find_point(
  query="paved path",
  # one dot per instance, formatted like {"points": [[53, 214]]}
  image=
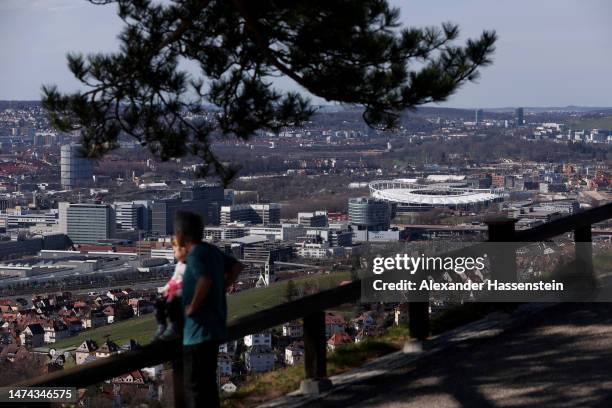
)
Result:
{"points": [[556, 356]]}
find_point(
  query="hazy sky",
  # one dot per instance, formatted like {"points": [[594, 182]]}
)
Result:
{"points": [[549, 53]]}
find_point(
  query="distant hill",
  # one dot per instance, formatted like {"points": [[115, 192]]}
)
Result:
{"points": [[542, 109], [18, 104], [427, 111]]}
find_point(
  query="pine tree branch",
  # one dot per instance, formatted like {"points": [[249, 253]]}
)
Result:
{"points": [[186, 24], [261, 44]]}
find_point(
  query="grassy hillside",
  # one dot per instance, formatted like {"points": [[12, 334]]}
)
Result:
{"points": [[240, 304], [267, 386]]}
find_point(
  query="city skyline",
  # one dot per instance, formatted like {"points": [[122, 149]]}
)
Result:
{"points": [[532, 67]]}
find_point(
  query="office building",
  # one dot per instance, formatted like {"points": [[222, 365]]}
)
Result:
{"points": [[162, 215], [209, 198], [520, 116], [210, 192], [478, 116], [224, 233], [90, 223], [369, 214], [132, 216], [253, 213], [75, 170], [282, 232], [164, 211], [315, 219], [334, 237]]}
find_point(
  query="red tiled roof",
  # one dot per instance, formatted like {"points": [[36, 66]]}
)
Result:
{"points": [[331, 318], [339, 338]]}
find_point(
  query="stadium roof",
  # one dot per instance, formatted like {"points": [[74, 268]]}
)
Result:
{"points": [[432, 194]]}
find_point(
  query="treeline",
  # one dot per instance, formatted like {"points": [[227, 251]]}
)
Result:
{"points": [[492, 147]]}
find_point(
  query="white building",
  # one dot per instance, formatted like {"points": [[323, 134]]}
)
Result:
{"points": [[258, 339], [229, 387], [32, 336], [293, 329], [282, 232], [312, 250], [55, 332], [163, 253], [294, 354]]}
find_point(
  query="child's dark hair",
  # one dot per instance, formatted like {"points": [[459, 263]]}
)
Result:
{"points": [[190, 225]]}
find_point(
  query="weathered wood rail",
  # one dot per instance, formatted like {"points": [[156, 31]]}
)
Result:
{"points": [[312, 310]]}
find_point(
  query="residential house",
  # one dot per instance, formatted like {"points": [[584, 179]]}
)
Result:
{"points": [[85, 350], [116, 294], [56, 330], [56, 362], [109, 312], [93, 319], [141, 306], [154, 372], [334, 323], [33, 336], [400, 314], [258, 339], [365, 321], [74, 324], [259, 359], [229, 387], [338, 340], [293, 330], [129, 346], [9, 352], [224, 365], [294, 353], [134, 377], [107, 349], [361, 336]]}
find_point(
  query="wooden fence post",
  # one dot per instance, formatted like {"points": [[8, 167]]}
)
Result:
{"points": [[584, 250], [418, 320], [178, 381], [503, 260], [315, 355]]}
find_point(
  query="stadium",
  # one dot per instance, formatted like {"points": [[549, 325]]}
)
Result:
{"points": [[410, 196]]}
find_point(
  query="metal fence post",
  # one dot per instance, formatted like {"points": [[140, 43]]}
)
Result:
{"points": [[315, 355]]}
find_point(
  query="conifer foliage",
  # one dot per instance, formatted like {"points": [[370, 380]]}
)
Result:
{"points": [[349, 51]]}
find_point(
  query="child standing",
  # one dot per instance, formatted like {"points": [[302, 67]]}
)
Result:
{"points": [[169, 309]]}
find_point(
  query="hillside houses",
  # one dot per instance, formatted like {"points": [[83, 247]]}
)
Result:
{"points": [[50, 318]]}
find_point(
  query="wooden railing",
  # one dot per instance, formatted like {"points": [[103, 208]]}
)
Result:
{"points": [[312, 310]]}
